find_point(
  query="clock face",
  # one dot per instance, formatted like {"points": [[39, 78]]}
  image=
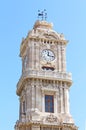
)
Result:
{"points": [[48, 55]]}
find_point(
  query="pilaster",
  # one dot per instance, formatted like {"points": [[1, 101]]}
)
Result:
{"points": [[43, 102], [61, 96], [59, 57], [55, 103]]}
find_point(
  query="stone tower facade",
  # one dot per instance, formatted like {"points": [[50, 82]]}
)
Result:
{"points": [[43, 88]]}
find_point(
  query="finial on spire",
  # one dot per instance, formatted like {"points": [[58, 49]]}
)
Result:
{"points": [[42, 14]]}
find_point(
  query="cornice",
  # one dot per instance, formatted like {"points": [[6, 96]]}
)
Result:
{"points": [[66, 77], [40, 124]]}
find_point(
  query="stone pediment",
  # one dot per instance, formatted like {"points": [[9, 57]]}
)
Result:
{"points": [[50, 36], [53, 36], [46, 34]]}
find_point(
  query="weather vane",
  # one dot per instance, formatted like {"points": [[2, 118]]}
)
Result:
{"points": [[42, 14]]}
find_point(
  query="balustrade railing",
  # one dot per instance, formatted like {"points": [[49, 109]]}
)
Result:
{"points": [[48, 74]]}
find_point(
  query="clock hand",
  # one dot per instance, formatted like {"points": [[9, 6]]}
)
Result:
{"points": [[48, 53]]}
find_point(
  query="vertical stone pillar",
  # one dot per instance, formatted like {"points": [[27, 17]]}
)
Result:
{"points": [[63, 58], [27, 96], [33, 99], [59, 58], [61, 96], [32, 48], [57, 97], [43, 102], [67, 91], [22, 64], [66, 99], [33, 94], [37, 93], [28, 101], [55, 103], [30, 54], [37, 55], [20, 109]]}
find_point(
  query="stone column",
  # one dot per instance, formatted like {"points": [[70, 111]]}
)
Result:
{"points": [[67, 91], [32, 48], [33, 99], [43, 102], [28, 102], [30, 54], [59, 57], [57, 97], [66, 99], [37, 55], [37, 93], [55, 103], [33, 94], [63, 58], [28, 94], [20, 109], [61, 96]]}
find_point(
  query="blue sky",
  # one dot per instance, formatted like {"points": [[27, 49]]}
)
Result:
{"points": [[16, 19]]}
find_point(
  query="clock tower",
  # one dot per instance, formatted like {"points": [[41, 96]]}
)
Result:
{"points": [[43, 87]]}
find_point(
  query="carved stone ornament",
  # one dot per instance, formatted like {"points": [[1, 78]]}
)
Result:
{"points": [[51, 118]]}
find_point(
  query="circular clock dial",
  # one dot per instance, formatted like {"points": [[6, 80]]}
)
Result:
{"points": [[48, 55]]}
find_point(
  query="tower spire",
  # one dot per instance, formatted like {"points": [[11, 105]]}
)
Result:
{"points": [[42, 15]]}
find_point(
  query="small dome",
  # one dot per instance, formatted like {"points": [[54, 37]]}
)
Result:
{"points": [[43, 24]]}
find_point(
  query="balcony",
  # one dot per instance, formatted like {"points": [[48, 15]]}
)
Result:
{"points": [[50, 75], [47, 75]]}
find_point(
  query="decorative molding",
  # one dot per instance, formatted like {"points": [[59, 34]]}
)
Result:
{"points": [[48, 91], [51, 118]]}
